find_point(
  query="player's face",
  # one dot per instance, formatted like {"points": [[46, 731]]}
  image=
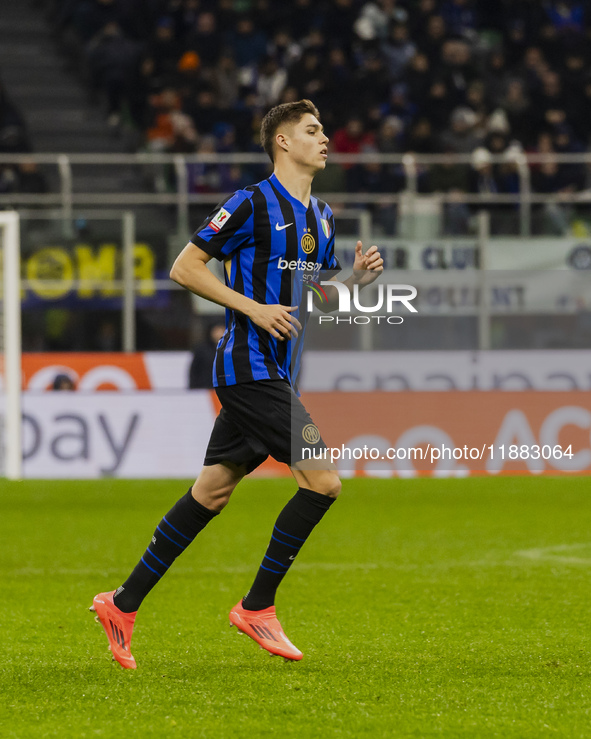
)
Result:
{"points": [[307, 143]]}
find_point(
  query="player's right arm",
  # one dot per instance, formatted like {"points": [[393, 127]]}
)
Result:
{"points": [[190, 270]]}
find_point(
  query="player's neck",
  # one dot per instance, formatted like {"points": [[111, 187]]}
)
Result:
{"points": [[298, 183]]}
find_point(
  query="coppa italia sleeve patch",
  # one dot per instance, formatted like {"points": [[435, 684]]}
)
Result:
{"points": [[219, 219]]}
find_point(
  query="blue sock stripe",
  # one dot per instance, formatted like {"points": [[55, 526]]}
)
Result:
{"points": [[276, 562], [180, 546], [275, 571], [151, 568], [291, 546], [157, 560], [291, 536], [177, 531]]}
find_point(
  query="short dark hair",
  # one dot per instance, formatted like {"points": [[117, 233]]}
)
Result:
{"points": [[280, 114]]}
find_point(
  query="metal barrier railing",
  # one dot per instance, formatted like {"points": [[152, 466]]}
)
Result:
{"points": [[67, 196]]}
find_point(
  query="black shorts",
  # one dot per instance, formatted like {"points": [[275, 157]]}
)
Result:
{"points": [[258, 419]]}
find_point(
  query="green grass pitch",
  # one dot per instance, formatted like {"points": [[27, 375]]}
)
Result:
{"points": [[424, 608]]}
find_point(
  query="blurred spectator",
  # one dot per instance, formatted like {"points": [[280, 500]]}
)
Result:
{"points": [[375, 19], [352, 138], [376, 178], [567, 15], [307, 74], [339, 21], [165, 49], [336, 77], [419, 19], [551, 45], [574, 71], [398, 50], [533, 68], [565, 143], [582, 113], [438, 105], [271, 82], [63, 382], [458, 67], [430, 40], [30, 179], [172, 130], [453, 180], [13, 131], [390, 136], [301, 17], [107, 337], [205, 111], [189, 77], [497, 77], [549, 98], [476, 101], [516, 106], [418, 77], [205, 39], [548, 177], [89, 17], [460, 136], [284, 49], [204, 176], [112, 60], [248, 44], [316, 41], [225, 81], [496, 179], [7, 179], [371, 82], [420, 139], [398, 105], [460, 17]]}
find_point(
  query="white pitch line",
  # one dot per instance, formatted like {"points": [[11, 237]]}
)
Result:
{"points": [[549, 554]]}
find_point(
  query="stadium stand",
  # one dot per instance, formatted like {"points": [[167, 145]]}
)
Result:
{"points": [[229, 61], [391, 76], [466, 77]]}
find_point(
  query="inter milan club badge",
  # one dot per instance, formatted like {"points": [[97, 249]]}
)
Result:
{"points": [[308, 243], [310, 434]]}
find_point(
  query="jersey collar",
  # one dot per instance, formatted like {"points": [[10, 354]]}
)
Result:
{"points": [[286, 194]]}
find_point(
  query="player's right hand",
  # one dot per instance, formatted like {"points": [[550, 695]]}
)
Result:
{"points": [[276, 319]]}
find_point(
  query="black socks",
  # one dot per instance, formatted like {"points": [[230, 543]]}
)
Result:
{"points": [[172, 536], [294, 525], [188, 517]]}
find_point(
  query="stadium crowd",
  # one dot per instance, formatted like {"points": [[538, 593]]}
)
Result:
{"points": [[472, 77], [427, 76]]}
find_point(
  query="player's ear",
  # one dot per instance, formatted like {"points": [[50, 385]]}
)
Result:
{"points": [[281, 141]]}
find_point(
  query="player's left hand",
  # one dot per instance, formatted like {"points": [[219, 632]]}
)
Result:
{"points": [[367, 267]]}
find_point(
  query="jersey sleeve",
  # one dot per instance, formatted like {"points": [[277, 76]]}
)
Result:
{"points": [[227, 228], [331, 263]]}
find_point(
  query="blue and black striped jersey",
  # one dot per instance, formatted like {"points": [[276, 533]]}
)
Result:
{"points": [[272, 247]]}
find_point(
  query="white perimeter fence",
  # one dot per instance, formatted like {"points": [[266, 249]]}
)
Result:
{"points": [[71, 173]]}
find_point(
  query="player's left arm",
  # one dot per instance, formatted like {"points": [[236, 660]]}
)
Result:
{"points": [[367, 267]]}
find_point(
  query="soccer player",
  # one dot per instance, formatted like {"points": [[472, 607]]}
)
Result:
{"points": [[274, 239]]}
